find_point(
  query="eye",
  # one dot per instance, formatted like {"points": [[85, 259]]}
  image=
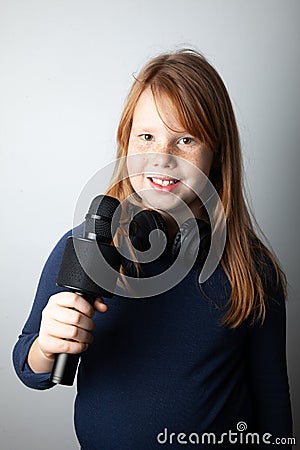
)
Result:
{"points": [[146, 136], [186, 140]]}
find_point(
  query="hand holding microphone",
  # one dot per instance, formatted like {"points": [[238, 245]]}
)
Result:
{"points": [[80, 255], [62, 329]]}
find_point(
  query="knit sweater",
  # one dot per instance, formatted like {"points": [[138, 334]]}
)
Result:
{"points": [[162, 371]]}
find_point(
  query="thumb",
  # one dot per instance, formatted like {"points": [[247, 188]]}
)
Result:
{"points": [[99, 305]]}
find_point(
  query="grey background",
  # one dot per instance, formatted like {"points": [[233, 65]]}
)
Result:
{"points": [[66, 67]]}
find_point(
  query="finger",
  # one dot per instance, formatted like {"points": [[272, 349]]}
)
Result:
{"points": [[64, 331], [71, 300], [57, 345], [100, 306], [71, 317]]}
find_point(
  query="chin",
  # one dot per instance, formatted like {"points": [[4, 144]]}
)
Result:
{"points": [[165, 203]]}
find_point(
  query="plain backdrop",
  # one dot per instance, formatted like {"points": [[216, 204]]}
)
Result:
{"points": [[66, 68]]}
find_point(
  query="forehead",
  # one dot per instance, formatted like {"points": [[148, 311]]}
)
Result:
{"points": [[156, 109]]}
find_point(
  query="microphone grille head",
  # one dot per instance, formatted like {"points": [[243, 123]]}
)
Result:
{"points": [[104, 205], [99, 217]]}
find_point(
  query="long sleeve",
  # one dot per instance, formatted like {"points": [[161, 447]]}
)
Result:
{"points": [[267, 368], [46, 287]]}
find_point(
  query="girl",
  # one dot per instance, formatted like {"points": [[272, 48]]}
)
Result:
{"points": [[199, 364]]}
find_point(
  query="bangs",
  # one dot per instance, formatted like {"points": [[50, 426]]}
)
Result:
{"points": [[186, 108]]}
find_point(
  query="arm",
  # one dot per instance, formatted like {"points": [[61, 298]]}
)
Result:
{"points": [[267, 367], [46, 287], [59, 322]]}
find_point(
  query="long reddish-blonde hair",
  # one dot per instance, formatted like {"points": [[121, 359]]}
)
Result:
{"points": [[203, 107]]}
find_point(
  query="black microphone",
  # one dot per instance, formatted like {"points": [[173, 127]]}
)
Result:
{"points": [[85, 259]]}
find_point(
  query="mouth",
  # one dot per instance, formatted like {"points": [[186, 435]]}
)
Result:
{"points": [[163, 183]]}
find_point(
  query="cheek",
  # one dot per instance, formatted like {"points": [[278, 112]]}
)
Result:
{"points": [[202, 161], [136, 183], [137, 157], [135, 162], [138, 146]]}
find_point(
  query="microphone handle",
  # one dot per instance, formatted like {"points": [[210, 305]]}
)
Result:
{"points": [[65, 364]]}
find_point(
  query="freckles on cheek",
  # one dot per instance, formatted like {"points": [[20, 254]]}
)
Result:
{"points": [[137, 147], [202, 161]]}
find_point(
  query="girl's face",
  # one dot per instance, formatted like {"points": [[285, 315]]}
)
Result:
{"points": [[164, 161]]}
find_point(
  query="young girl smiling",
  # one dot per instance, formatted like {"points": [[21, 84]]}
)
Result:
{"points": [[197, 358]]}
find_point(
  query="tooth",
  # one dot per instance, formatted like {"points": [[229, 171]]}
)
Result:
{"points": [[163, 182]]}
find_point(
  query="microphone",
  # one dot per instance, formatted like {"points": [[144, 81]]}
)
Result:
{"points": [[82, 262]]}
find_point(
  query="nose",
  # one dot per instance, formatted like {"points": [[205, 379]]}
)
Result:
{"points": [[163, 157]]}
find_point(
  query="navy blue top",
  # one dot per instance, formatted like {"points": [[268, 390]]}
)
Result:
{"points": [[164, 365]]}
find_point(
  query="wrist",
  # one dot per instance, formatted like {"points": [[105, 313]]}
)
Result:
{"points": [[39, 361]]}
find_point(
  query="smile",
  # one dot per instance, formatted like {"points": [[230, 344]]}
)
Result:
{"points": [[165, 184]]}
